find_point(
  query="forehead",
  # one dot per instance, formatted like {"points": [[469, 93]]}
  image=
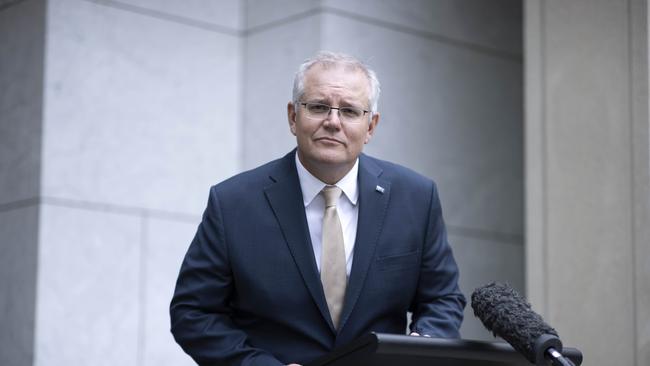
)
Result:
{"points": [[336, 81]]}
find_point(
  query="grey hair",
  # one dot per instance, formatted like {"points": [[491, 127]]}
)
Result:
{"points": [[328, 59]]}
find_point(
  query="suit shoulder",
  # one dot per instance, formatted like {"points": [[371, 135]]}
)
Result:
{"points": [[399, 173], [247, 181]]}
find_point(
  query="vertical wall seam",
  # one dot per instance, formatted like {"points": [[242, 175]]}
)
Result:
{"points": [[631, 111], [39, 178], [544, 163]]}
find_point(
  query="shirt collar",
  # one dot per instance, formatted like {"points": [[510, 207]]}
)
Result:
{"points": [[311, 186]]}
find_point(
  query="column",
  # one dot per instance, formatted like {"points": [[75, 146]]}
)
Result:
{"points": [[587, 177]]}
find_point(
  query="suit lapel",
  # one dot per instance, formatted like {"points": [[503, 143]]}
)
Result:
{"points": [[374, 194], [285, 198]]}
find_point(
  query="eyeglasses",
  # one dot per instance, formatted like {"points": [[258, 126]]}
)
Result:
{"points": [[346, 114]]}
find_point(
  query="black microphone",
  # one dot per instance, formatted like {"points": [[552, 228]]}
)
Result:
{"points": [[509, 316]]}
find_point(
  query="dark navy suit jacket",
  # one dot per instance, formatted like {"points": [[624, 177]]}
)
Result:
{"points": [[249, 290]]}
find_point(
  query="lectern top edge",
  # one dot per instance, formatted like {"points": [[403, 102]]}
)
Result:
{"points": [[379, 349]]}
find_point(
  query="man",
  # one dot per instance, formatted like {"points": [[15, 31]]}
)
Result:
{"points": [[276, 275]]}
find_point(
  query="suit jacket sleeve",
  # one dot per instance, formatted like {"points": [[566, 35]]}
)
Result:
{"points": [[200, 308], [438, 304]]}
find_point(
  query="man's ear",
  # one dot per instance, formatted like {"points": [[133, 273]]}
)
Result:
{"points": [[291, 117], [372, 125]]}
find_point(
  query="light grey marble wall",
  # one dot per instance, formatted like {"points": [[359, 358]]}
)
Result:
{"points": [[588, 196], [142, 115], [141, 111], [119, 117], [165, 242], [273, 53], [451, 108], [88, 287]]}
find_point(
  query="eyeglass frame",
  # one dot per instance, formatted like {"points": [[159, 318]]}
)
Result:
{"points": [[338, 111]]}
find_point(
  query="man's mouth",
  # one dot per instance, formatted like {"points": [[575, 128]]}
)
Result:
{"points": [[329, 140]]}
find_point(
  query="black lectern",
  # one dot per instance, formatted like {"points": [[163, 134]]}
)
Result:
{"points": [[378, 349]]}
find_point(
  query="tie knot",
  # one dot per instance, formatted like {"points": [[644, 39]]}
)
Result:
{"points": [[331, 194]]}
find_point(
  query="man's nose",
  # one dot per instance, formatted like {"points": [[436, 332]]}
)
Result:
{"points": [[333, 118]]}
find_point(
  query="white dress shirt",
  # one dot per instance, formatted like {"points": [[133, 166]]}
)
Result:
{"points": [[347, 209]]}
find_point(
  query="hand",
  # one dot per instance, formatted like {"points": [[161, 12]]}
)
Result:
{"points": [[416, 334]]}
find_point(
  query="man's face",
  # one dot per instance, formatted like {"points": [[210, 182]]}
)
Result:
{"points": [[329, 147]]}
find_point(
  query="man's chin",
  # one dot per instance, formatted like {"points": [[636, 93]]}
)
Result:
{"points": [[327, 157], [331, 157]]}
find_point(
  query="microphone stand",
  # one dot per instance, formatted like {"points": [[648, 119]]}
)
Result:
{"points": [[557, 359], [546, 348]]}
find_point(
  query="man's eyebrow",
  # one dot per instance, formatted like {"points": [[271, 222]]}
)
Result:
{"points": [[345, 103], [351, 104], [321, 100]]}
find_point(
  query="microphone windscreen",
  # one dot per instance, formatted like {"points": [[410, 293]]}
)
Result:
{"points": [[509, 316]]}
